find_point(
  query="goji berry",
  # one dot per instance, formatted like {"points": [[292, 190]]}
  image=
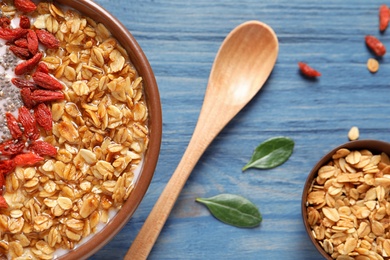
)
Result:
{"points": [[42, 67], [27, 159], [29, 124], [9, 34], [47, 39], [6, 166], [43, 148], [13, 126], [308, 71], [25, 94], [21, 53], [28, 65], [32, 41], [375, 45], [384, 17], [43, 116], [11, 147], [22, 42], [40, 96], [3, 203], [46, 81], [5, 22], [23, 83], [25, 6], [24, 22]]}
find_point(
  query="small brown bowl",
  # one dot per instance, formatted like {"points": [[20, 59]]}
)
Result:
{"points": [[140, 62], [374, 146]]}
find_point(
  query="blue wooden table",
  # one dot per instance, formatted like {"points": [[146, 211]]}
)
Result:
{"points": [[180, 39]]}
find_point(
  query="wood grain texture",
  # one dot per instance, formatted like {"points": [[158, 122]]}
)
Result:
{"points": [[180, 39]]}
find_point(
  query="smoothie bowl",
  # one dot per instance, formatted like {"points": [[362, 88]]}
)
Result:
{"points": [[80, 128]]}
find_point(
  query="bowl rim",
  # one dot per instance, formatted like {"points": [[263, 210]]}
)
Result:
{"points": [[144, 69], [375, 146]]}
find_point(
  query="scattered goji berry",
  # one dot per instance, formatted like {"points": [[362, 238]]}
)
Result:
{"points": [[27, 159], [32, 40], [21, 53], [6, 166], [29, 124], [13, 126], [11, 147], [47, 39], [5, 22], [9, 34], [3, 203], [40, 96], [43, 148], [24, 22], [25, 94], [28, 65], [308, 71], [25, 6], [23, 83], [43, 116], [42, 67], [375, 45], [384, 17], [22, 42], [46, 81]]}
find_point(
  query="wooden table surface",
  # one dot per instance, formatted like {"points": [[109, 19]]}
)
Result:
{"points": [[180, 39]]}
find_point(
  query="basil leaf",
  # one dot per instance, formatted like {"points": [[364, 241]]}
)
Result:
{"points": [[233, 210], [271, 153]]}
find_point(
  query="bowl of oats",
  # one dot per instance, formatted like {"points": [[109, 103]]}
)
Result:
{"points": [[80, 128], [345, 202]]}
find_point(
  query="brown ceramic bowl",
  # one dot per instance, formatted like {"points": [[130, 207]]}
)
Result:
{"points": [[139, 60], [372, 145]]}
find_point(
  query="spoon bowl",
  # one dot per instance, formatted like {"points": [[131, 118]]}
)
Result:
{"points": [[241, 67]]}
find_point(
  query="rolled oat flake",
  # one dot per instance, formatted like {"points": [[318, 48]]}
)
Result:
{"points": [[353, 133]]}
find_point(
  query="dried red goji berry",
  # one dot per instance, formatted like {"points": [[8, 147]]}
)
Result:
{"points": [[375, 45], [2, 183], [23, 83], [11, 147], [13, 126], [25, 6], [308, 71], [43, 116], [3, 203], [46, 81], [40, 96], [22, 42], [384, 17], [21, 53], [47, 39], [29, 124], [28, 65], [6, 166], [24, 22], [43, 148], [5, 22], [32, 41], [27, 159], [25, 94], [9, 34], [42, 67]]}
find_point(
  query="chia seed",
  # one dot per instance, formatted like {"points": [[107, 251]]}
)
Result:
{"points": [[10, 99]]}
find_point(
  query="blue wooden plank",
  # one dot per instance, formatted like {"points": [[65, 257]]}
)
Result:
{"points": [[181, 38]]}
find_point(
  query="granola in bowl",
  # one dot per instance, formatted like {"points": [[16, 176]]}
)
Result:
{"points": [[77, 132]]}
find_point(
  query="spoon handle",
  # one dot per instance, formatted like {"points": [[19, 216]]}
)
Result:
{"points": [[143, 243]]}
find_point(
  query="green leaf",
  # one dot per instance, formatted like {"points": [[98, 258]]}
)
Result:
{"points": [[233, 210], [271, 153]]}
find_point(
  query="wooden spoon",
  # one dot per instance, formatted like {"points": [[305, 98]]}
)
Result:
{"points": [[241, 67]]}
